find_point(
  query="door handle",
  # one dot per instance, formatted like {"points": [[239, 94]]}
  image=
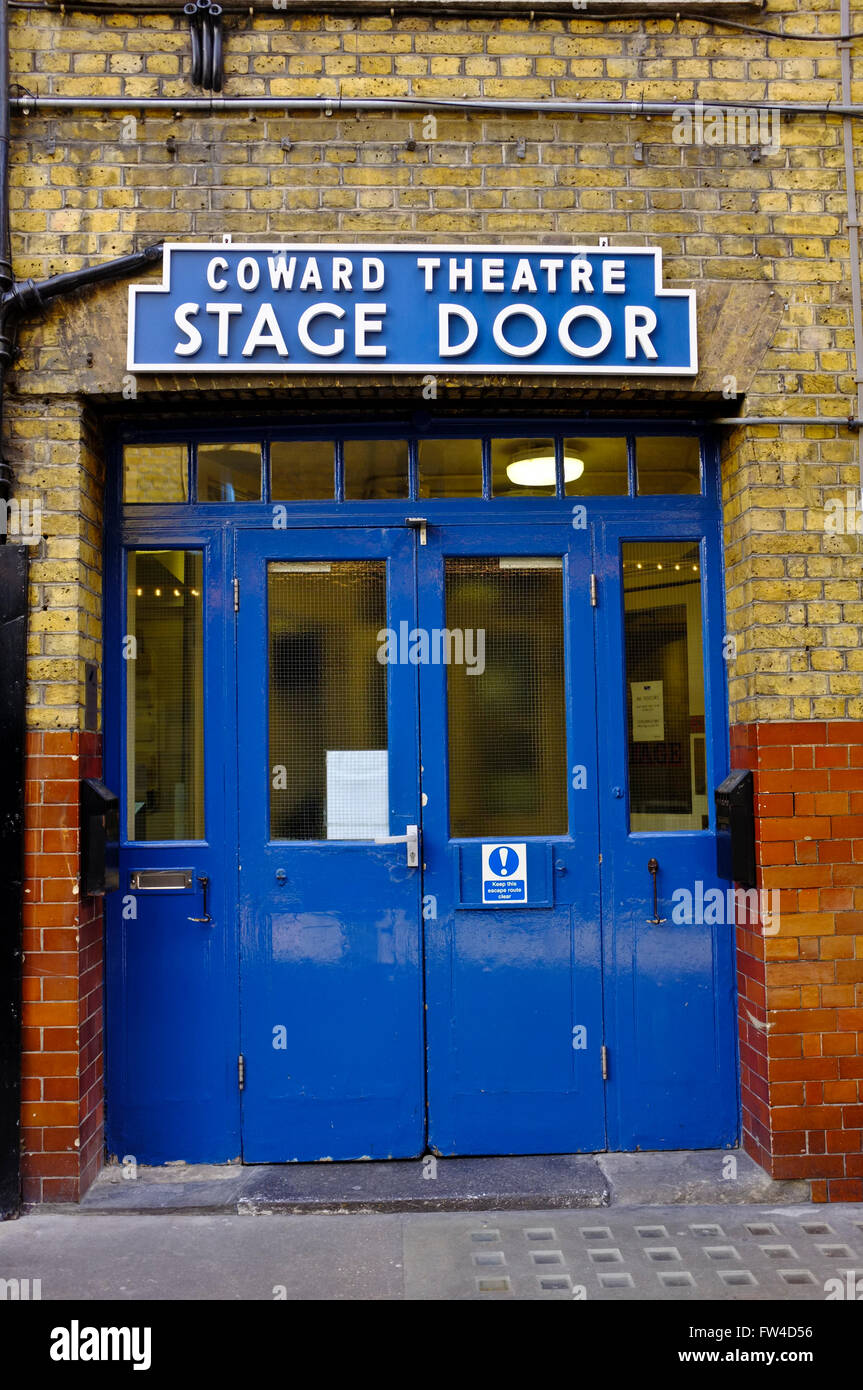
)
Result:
{"points": [[411, 839], [205, 888], [653, 869]]}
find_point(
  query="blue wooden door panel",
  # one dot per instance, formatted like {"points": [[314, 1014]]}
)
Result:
{"points": [[330, 930], [171, 983], [507, 986], [670, 987]]}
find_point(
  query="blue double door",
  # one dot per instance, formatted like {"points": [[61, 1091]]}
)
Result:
{"points": [[406, 716], [431, 921]]}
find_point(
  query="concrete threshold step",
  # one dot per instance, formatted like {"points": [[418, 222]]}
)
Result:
{"points": [[512, 1183]]}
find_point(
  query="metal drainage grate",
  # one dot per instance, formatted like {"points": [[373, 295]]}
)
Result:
{"points": [[488, 1285], [616, 1281], [676, 1279]]}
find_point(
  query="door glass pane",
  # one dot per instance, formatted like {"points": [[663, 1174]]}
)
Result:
{"points": [[302, 470], [664, 685], [165, 696], [229, 472], [505, 694], [523, 468], [375, 468], [156, 473], [671, 465], [595, 467], [450, 467], [328, 700]]}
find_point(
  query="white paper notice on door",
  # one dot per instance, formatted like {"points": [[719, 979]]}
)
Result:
{"points": [[357, 794], [648, 717]]}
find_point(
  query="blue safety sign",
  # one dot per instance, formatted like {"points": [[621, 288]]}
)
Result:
{"points": [[504, 873], [412, 308]]}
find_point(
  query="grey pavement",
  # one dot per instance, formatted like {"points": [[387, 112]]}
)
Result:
{"points": [[599, 1227], [736, 1252]]}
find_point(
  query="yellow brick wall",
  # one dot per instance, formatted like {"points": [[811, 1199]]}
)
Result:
{"points": [[56, 455], [89, 185]]}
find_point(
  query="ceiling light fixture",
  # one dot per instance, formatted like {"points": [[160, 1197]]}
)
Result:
{"points": [[538, 469]]}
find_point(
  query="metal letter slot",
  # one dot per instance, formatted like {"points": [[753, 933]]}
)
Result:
{"points": [[411, 838], [160, 880]]}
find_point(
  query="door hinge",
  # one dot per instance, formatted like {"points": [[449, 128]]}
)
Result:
{"points": [[593, 591], [604, 1055], [241, 1072], [236, 595]]}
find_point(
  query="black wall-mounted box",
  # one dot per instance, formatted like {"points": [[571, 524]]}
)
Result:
{"points": [[100, 814], [735, 828]]}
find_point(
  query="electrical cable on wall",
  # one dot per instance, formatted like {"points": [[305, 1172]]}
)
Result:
{"points": [[205, 25]]}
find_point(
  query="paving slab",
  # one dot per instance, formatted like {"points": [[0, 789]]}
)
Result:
{"points": [[196, 1188], [669, 1254], [426, 1184], [706, 1175], [184, 1257]]}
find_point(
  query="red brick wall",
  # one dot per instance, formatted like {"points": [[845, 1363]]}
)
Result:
{"points": [[62, 1097], [801, 989]]}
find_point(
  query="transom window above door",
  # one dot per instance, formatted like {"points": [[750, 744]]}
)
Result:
{"points": [[363, 468]]}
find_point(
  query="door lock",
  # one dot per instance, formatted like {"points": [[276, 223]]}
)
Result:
{"points": [[411, 839], [281, 877]]}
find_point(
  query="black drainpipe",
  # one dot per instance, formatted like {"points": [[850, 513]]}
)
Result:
{"points": [[16, 300]]}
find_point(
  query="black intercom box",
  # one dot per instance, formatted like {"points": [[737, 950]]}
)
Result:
{"points": [[100, 811], [735, 828]]}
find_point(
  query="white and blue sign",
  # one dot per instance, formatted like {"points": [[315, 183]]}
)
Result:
{"points": [[504, 873], [419, 308]]}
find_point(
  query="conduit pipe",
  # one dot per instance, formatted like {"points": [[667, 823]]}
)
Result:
{"points": [[852, 422], [852, 221], [30, 103]]}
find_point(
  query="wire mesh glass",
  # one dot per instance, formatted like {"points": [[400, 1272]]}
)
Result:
{"points": [[506, 702], [327, 700]]}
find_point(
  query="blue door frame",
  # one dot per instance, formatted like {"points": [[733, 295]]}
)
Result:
{"points": [[173, 995]]}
